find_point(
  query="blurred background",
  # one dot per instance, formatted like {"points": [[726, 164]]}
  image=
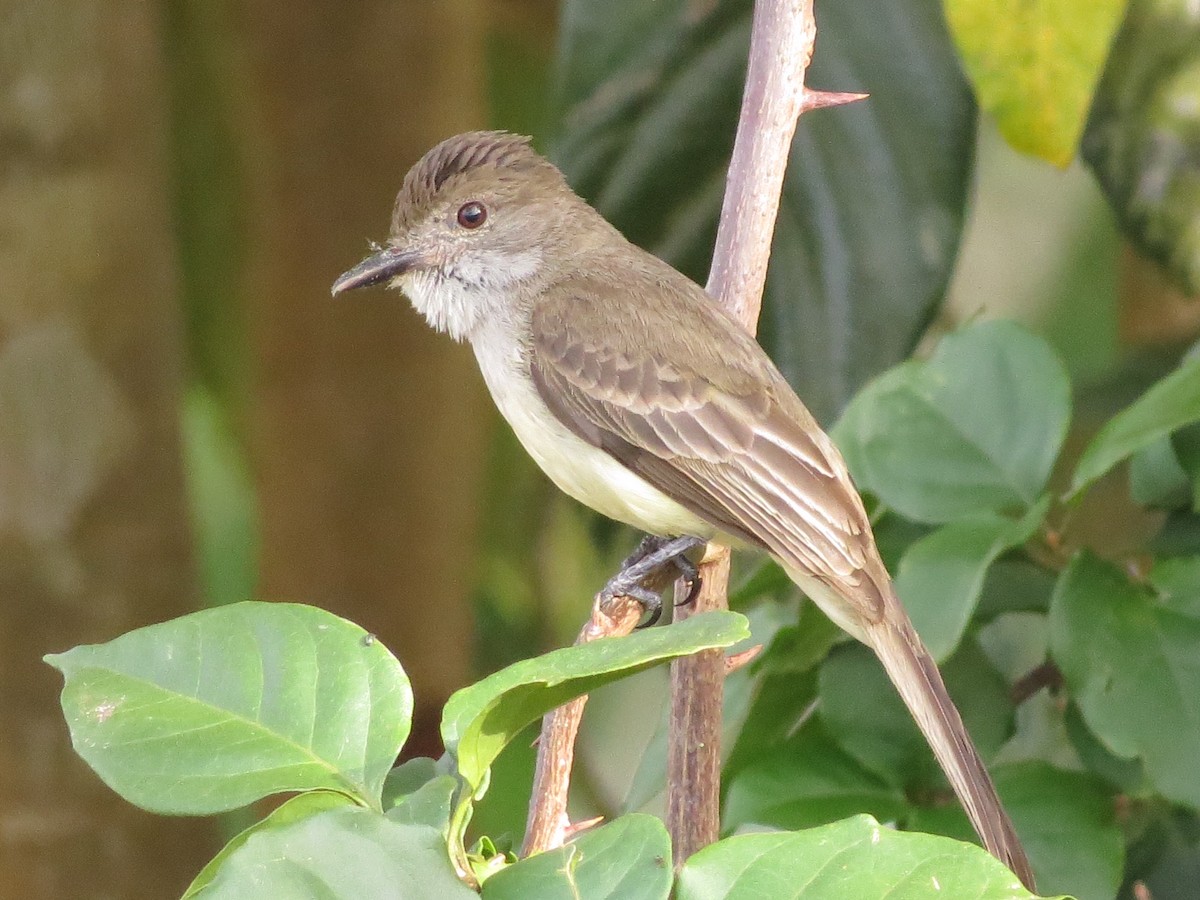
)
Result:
{"points": [[188, 419]]}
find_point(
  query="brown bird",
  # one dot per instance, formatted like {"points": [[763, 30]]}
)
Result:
{"points": [[642, 398]]}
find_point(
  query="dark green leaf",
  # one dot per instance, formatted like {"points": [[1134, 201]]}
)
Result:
{"points": [[340, 854], [1143, 134], [808, 780], [942, 575], [1126, 774], [873, 204], [1066, 822], [627, 859], [419, 792], [214, 710], [856, 858], [862, 710], [1131, 665], [1172, 403]]}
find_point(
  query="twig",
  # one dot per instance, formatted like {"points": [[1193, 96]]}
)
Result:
{"points": [[781, 45], [780, 48], [548, 826]]}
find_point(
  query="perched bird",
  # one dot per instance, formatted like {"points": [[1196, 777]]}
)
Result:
{"points": [[642, 398]]}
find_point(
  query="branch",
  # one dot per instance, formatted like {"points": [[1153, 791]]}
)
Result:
{"points": [[781, 45]]}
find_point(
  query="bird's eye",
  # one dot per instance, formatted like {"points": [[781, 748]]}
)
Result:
{"points": [[472, 215]]}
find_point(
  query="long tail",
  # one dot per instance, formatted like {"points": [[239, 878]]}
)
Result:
{"points": [[920, 685]]}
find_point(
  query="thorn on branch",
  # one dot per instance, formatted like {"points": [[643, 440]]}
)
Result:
{"points": [[811, 99]]}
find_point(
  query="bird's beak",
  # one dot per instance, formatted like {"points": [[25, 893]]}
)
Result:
{"points": [[378, 267]]}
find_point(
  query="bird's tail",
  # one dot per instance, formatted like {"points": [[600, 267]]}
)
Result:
{"points": [[920, 684]]}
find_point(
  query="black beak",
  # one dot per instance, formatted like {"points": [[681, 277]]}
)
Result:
{"points": [[376, 268]]}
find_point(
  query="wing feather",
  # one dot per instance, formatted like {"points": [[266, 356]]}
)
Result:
{"points": [[720, 432]]}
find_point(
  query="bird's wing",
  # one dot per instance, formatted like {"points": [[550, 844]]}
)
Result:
{"points": [[707, 419]]}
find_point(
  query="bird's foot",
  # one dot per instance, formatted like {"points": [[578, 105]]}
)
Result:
{"points": [[641, 574]]}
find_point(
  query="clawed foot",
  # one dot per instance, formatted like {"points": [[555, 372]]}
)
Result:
{"points": [[647, 564]]}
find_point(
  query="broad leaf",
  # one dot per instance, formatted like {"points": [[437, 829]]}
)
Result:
{"points": [[1066, 822], [627, 859], [856, 858], [941, 576], [214, 710], [976, 429], [294, 810], [1035, 65], [1143, 134], [863, 712], [873, 203], [340, 854], [1133, 666], [808, 780], [1170, 404], [479, 720]]}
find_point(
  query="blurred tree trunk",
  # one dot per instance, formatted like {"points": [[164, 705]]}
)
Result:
{"points": [[93, 525], [367, 429]]}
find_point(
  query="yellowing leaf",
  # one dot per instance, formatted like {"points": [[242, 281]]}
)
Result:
{"points": [[1035, 65]]}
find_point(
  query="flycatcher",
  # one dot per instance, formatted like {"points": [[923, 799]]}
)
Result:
{"points": [[642, 398]]}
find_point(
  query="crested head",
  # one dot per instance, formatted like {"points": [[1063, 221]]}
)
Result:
{"points": [[481, 223]]}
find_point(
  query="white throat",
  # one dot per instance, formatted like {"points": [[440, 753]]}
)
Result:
{"points": [[457, 297]]}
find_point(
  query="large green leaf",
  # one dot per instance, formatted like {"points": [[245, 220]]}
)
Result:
{"points": [[856, 858], [808, 780], [1133, 666], [941, 575], [214, 710], [1035, 64], [627, 859], [478, 721], [872, 207], [1066, 822], [976, 429], [298, 808], [1143, 134], [348, 853], [1170, 404], [860, 707]]}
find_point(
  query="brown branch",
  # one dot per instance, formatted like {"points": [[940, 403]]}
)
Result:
{"points": [[781, 45], [780, 48], [548, 826]]}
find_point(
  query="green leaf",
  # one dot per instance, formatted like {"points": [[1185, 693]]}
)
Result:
{"points": [[941, 576], [419, 792], [1131, 665], [808, 780], [1066, 823], [1170, 404], [1157, 478], [479, 720], [649, 96], [1035, 65], [1143, 134], [294, 810], [339, 854], [627, 859], [1177, 582], [976, 429], [856, 858], [863, 712], [214, 710]]}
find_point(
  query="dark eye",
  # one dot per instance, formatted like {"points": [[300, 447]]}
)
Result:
{"points": [[472, 215]]}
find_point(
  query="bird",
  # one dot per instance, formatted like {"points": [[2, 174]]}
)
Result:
{"points": [[641, 397]]}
